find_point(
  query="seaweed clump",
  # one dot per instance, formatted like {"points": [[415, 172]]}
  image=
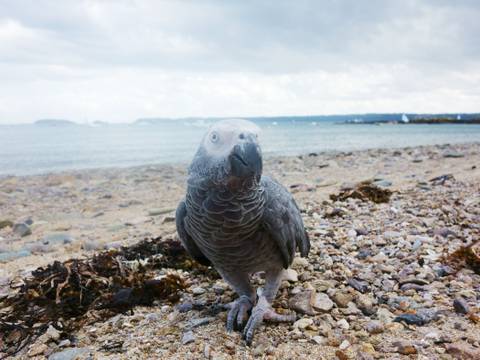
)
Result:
{"points": [[63, 293], [365, 190], [466, 256]]}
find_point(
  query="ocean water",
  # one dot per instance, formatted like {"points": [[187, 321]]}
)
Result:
{"points": [[34, 149]]}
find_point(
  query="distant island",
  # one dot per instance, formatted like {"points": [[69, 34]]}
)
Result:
{"points": [[420, 119], [54, 122]]}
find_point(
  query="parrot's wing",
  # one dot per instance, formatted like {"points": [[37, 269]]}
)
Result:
{"points": [[187, 241], [283, 221]]}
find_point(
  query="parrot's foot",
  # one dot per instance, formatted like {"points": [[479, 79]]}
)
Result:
{"points": [[238, 313], [263, 311]]}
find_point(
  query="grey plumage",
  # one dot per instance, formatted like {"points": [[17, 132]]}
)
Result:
{"points": [[238, 220]]}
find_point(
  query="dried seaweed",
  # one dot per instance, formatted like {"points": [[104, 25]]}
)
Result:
{"points": [[466, 256], [62, 293], [365, 190]]}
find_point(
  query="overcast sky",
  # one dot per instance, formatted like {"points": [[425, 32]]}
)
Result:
{"points": [[121, 60]]}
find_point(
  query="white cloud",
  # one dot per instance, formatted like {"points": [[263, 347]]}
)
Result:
{"points": [[120, 60]]}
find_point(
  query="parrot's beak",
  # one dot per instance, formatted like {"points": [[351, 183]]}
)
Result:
{"points": [[246, 159]]}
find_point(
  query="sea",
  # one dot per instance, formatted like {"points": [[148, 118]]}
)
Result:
{"points": [[38, 149]]}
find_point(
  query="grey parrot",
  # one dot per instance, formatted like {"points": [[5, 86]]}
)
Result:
{"points": [[240, 222]]}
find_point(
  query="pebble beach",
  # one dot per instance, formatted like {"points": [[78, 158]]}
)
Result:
{"points": [[376, 285]]}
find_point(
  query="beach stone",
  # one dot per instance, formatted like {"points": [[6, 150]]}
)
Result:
{"points": [[52, 333], [321, 302], [199, 322], [405, 347], [5, 223], [37, 350], [22, 229], [343, 324], [188, 337], [384, 315], [91, 245], [70, 354], [57, 239], [299, 262], [453, 154], [13, 255], [461, 350], [461, 306], [198, 290], [302, 302], [290, 275], [342, 298], [383, 183], [365, 304], [374, 327], [302, 323]]}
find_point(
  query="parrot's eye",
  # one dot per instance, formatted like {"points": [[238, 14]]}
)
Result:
{"points": [[214, 137]]}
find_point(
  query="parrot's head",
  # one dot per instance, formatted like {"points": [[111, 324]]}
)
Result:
{"points": [[229, 154]]}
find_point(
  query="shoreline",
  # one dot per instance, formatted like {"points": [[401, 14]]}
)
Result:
{"points": [[75, 214], [267, 157]]}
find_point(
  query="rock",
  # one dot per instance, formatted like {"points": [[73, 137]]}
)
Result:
{"points": [[320, 340], [198, 290], [299, 262], [365, 304], [384, 315], [302, 323], [13, 255], [22, 229], [443, 232], [302, 302], [383, 183], [188, 337], [391, 235], [156, 211], [199, 322], [5, 223], [321, 302], [52, 333], [410, 319], [374, 327], [37, 350], [461, 306], [70, 354], [290, 275], [358, 285], [342, 298], [405, 347], [91, 245], [461, 350], [344, 345], [343, 324], [453, 154], [57, 239]]}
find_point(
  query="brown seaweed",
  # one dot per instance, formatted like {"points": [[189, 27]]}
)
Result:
{"points": [[466, 256], [365, 190], [61, 294]]}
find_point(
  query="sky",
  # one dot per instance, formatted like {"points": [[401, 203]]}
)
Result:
{"points": [[118, 61]]}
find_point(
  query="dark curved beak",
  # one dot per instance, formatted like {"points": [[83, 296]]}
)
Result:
{"points": [[246, 159]]}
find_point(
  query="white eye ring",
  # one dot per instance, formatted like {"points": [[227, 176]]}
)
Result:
{"points": [[214, 137]]}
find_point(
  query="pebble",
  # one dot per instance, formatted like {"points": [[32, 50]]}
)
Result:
{"points": [[453, 154], [57, 238], [321, 302], [188, 337], [405, 347], [22, 229], [52, 333], [374, 327], [461, 350], [5, 223], [461, 306], [302, 323], [37, 349], [343, 324], [410, 319], [290, 275], [198, 290], [344, 345], [320, 340], [302, 302], [199, 322], [70, 354], [342, 298], [358, 285], [299, 262], [365, 304]]}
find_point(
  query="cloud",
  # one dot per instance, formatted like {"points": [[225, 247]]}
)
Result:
{"points": [[120, 60]]}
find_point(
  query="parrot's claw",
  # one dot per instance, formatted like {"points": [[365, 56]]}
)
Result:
{"points": [[238, 313], [263, 311]]}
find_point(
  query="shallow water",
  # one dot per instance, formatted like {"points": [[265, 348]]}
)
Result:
{"points": [[34, 149]]}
